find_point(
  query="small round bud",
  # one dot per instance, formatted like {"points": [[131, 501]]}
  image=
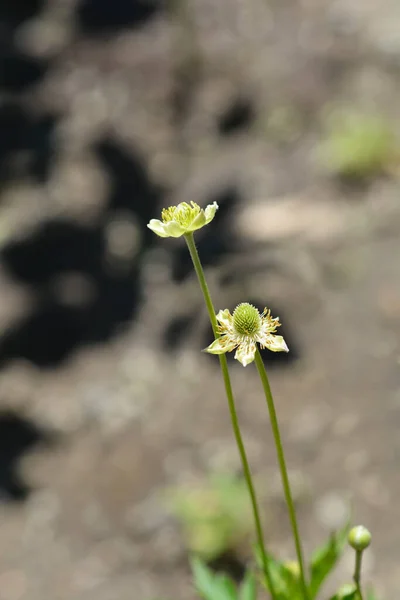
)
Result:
{"points": [[246, 319], [359, 538]]}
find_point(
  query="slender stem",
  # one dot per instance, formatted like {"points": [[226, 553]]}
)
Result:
{"points": [[233, 413], [194, 255], [283, 469], [357, 573]]}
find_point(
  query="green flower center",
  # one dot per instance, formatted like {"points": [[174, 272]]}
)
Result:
{"points": [[184, 213], [246, 319]]}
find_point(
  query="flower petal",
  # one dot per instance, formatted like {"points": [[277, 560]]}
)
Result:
{"points": [[246, 352], [174, 229], [269, 324], [275, 343], [158, 227], [225, 319], [198, 222], [221, 345], [210, 211]]}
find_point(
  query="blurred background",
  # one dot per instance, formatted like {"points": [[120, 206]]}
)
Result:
{"points": [[116, 454]]}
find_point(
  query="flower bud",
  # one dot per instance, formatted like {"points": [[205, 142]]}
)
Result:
{"points": [[359, 538]]}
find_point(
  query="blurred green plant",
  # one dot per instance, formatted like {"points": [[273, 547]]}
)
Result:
{"points": [[348, 591], [324, 559], [285, 574], [215, 515], [218, 586], [357, 145]]}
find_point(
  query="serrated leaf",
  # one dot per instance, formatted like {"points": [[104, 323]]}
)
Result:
{"points": [[210, 585], [324, 559], [248, 589]]}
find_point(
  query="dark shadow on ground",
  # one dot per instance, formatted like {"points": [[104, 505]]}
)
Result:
{"points": [[18, 436], [229, 564], [15, 12], [18, 71], [54, 329], [102, 17], [26, 144], [55, 247], [132, 190], [237, 117]]}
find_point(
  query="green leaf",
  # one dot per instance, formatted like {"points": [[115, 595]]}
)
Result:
{"points": [[248, 589], [285, 578], [324, 559], [210, 585], [227, 586], [346, 592]]}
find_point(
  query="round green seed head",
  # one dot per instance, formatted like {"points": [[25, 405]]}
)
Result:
{"points": [[246, 319], [359, 538]]}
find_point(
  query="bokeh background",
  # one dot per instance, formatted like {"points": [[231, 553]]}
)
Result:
{"points": [[287, 114]]}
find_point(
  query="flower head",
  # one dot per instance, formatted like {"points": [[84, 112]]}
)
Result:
{"points": [[243, 330], [182, 219]]}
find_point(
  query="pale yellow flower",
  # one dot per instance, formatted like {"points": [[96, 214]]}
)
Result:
{"points": [[243, 330], [182, 219]]}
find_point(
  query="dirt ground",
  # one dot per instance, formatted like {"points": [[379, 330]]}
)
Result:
{"points": [[106, 115]]}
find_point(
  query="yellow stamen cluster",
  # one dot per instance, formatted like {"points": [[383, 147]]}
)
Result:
{"points": [[183, 214]]}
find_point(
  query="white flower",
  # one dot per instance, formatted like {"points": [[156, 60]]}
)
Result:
{"points": [[243, 330], [182, 219]]}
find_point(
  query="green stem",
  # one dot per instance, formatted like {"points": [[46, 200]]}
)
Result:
{"points": [[233, 413], [283, 469], [194, 255], [357, 573]]}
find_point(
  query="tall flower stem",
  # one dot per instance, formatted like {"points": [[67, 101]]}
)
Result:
{"points": [[233, 412], [283, 469], [359, 539], [357, 573]]}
